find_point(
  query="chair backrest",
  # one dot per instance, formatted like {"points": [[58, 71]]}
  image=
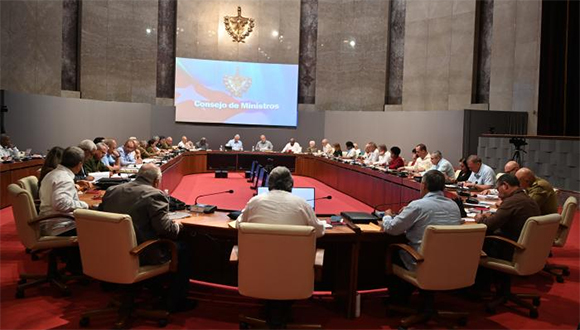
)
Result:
{"points": [[30, 184], [24, 211], [105, 240], [537, 237], [457, 172], [451, 256], [498, 175], [276, 262], [568, 211]]}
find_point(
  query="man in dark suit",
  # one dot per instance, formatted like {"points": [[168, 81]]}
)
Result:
{"points": [[149, 208]]}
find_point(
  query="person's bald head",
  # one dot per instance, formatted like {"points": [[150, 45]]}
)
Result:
{"points": [[526, 177], [511, 167], [150, 173]]}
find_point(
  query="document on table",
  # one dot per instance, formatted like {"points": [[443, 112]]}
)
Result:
{"points": [[178, 215], [371, 227]]}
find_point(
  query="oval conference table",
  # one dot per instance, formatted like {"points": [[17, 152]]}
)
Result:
{"points": [[354, 259]]}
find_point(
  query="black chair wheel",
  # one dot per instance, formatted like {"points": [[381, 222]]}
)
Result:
{"points": [[559, 279], [566, 272], [22, 281], [462, 321], [244, 325], [536, 302], [162, 323], [19, 294], [534, 314], [84, 322]]}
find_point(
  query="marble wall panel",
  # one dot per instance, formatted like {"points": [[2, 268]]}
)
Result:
{"points": [[484, 40], [166, 30], [502, 55], [49, 47], [31, 46], [396, 52], [438, 64], [5, 61], [515, 57], [70, 44], [94, 38], [351, 58], [144, 65], [119, 50], [308, 48]]}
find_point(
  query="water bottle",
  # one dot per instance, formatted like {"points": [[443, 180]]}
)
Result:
{"points": [[253, 148], [221, 148], [166, 191]]}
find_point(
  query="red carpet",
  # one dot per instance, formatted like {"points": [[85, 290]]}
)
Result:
{"points": [[219, 307], [192, 186]]}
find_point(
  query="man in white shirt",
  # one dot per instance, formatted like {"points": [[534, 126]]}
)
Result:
{"points": [[185, 143], [292, 147], [482, 176], [279, 206], [58, 193], [327, 147], [263, 144], [371, 155], [442, 165], [236, 143], [384, 156], [423, 162]]}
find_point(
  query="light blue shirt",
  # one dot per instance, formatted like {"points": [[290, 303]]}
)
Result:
{"points": [[236, 146], [485, 176], [108, 160], [433, 209], [126, 158], [445, 167]]}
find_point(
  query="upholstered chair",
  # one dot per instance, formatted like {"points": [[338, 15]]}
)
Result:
{"points": [[447, 260], [276, 263], [529, 257], [568, 211], [28, 230], [110, 253]]}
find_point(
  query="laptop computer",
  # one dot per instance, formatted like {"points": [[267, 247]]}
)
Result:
{"points": [[307, 193]]}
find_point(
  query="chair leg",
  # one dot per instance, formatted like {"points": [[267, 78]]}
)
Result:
{"points": [[559, 271], [127, 309], [427, 312], [505, 294]]}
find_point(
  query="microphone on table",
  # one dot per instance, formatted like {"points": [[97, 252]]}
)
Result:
{"points": [[204, 208], [315, 199]]}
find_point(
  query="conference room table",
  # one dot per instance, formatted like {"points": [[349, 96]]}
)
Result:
{"points": [[354, 255], [354, 258]]}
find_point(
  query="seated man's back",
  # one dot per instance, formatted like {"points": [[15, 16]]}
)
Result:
{"points": [[279, 206], [148, 208]]}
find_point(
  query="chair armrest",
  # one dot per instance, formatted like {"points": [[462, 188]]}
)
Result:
{"points": [[563, 226], [171, 244], [318, 264], [506, 240], [51, 216], [482, 254], [234, 255], [414, 254]]}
